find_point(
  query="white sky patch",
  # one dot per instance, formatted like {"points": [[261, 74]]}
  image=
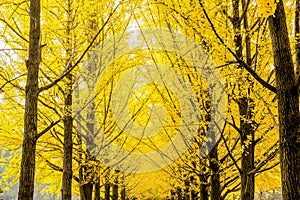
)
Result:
{"points": [[289, 4], [1, 97]]}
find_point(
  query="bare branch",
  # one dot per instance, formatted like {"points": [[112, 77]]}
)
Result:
{"points": [[46, 129], [11, 80], [14, 30], [230, 154]]}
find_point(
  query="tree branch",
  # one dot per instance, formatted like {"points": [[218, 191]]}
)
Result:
{"points": [[66, 72], [230, 154], [240, 61], [11, 80], [46, 129], [14, 30]]}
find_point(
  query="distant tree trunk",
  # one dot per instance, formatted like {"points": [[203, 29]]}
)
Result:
{"points": [[26, 187], [187, 192], [288, 103], [179, 193], [107, 191], [194, 195], [68, 120], [203, 185], [215, 190], [86, 188], [97, 191], [90, 124], [68, 143], [123, 193], [115, 191], [88, 172], [88, 191]]}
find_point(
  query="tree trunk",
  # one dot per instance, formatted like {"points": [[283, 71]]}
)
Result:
{"points": [[247, 142], [297, 72], [68, 143], [179, 193], [288, 103], [194, 195], [123, 193], [26, 187], [115, 191], [203, 185], [97, 191], [187, 192], [297, 37], [86, 188], [215, 190], [245, 109], [88, 191], [107, 191], [68, 120]]}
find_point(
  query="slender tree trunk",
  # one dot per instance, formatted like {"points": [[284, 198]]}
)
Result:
{"points": [[115, 191], [247, 142], [215, 185], [97, 191], [68, 143], [203, 185], [179, 193], [194, 195], [247, 124], [245, 108], [288, 103], [107, 191], [86, 189], [123, 193], [26, 187], [187, 192], [68, 120], [173, 194]]}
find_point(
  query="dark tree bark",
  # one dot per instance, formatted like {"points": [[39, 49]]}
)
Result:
{"points": [[97, 191], [123, 193], [88, 191], [26, 187], [86, 187], [194, 195], [203, 184], [107, 191], [215, 185], [245, 108], [187, 192], [68, 143], [179, 193], [173, 194], [297, 37], [297, 48], [247, 141], [115, 190], [68, 120], [288, 103]]}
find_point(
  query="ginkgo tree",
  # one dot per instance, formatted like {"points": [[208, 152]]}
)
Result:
{"points": [[54, 38], [49, 68], [190, 16]]}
